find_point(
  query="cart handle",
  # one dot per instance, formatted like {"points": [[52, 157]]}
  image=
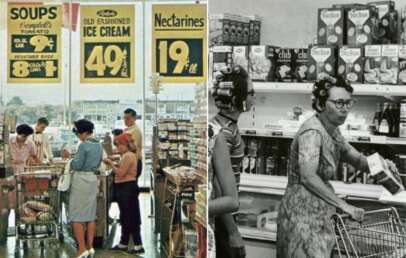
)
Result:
{"points": [[391, 209]]}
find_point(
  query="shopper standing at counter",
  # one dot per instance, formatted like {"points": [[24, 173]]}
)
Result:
{"points": [[126, 193], [41, 140], [233, 94], [129, 120], [84, 187], [304, 228]]}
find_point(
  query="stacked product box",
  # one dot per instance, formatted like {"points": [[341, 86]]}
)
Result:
{"points": [[388, 22], [330, 26], [350, 64], [262, 63], [362, 26], [402, 65], [322, 62], [389, 67], [284, 71], [240, 56], [232, 29], [300, 64], [372, 64], [255, 30], [222, 58]]}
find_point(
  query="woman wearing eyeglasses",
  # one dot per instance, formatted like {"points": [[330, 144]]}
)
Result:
{"points": [[84, 187], [304, 228], [233, 94]]}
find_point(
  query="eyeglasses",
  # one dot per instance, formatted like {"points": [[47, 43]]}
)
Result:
{"points": [[340, 103]]}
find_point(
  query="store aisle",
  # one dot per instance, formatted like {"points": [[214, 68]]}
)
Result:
{"points": [[67, 251]]}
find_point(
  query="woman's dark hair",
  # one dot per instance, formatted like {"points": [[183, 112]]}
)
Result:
{"points": [[238, 76], [84, 126], [43, 120], [117, 132], [131, 112], [24, 129], [321, 90]]}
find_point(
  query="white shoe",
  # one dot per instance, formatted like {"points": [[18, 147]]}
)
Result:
{"points": [[91, 252], [85, 254]]}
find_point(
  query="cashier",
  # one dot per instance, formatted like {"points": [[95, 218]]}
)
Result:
{"points": [[130, 121], [304, 227], [22, 150], [41, 140]]}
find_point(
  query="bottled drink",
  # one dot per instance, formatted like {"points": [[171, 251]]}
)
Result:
{"points": [[384, 124], [377, 118]]}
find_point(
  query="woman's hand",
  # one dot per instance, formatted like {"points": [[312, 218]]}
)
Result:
{"points": [[108, 161], [354, 212]]}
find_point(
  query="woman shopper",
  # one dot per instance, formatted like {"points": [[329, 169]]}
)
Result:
{"points": [[304, 228], [126, 194], [84, 187], [233, 94]]}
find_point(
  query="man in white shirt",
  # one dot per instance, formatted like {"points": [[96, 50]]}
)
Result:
{"points": [[41, 140]]}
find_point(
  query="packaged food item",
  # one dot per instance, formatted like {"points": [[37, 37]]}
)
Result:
{"points": [[350, 64], [362, 26], [322, 62], [383, 175], [262, 63], [255, 30], [219, 29], [300, 62], [240, 56], [330, 26], [373, 57], [388, 21], [222, 58], [402, 65], [242, 29], [44, 216], [389, 68], [38, 206], [284, 71]]}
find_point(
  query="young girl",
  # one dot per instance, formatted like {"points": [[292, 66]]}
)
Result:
{"points": [[126, 191]]}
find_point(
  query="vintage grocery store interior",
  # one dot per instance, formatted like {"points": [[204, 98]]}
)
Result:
{"points": [[172, 120], [283, 102]]}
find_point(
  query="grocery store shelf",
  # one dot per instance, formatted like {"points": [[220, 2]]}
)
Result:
{"points": [[371, 139], [254, 233], [359, 89], [276, 185]]}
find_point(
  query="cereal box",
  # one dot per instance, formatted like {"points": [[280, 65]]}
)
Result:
{"points": [[330, 26], [300, 64], [222, 58], [246, 31], [242, 24], [219, 29], [402, 64], [284, 71], [389, 69], [373, 58], [322, 62], [262, 63], [362, 26], [234, 23], [388, 22], [350, 64], [255, 30], [240, 56]]}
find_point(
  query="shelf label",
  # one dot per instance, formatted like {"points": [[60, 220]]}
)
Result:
{"points": [[251, 132], [279, 133]]}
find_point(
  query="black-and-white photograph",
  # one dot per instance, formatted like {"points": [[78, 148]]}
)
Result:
{"points": [[307, 129]]}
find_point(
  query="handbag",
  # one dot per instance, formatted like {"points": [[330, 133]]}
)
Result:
{"points": [[65, 179]]}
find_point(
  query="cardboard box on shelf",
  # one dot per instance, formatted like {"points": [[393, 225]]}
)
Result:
{"points": [[362, 26], [388, 22], [389, 68], [330, 26], [402, 65], [219, 29], [234, 23], [262, 63], [351, 64], [322, 62], [255, 30], [240, 56], [242, 24], [300, 60], [372, 64], [222, 58], [284, 70], [382, 173]]}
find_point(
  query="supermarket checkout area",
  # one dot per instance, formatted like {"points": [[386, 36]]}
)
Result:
{"points": [[259, 200]]}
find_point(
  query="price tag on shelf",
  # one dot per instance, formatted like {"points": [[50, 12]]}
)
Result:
{"points": [[34, 43], [179, 42], [107, 44], [251, 132], [277, 133]]}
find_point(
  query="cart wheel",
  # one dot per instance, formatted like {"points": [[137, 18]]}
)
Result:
{"points": [[61, 238]]}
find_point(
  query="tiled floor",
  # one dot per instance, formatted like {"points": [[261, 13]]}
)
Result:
{"points": [[67, 251]]}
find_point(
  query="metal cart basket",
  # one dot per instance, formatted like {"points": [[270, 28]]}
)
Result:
{"points": [[382, 234], [38, 209]]}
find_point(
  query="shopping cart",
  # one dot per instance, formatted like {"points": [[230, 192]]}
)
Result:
{"points": [[37, 209], [382, 234]]}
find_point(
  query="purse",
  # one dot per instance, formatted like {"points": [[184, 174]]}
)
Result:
{"points": [[65, 179]]}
